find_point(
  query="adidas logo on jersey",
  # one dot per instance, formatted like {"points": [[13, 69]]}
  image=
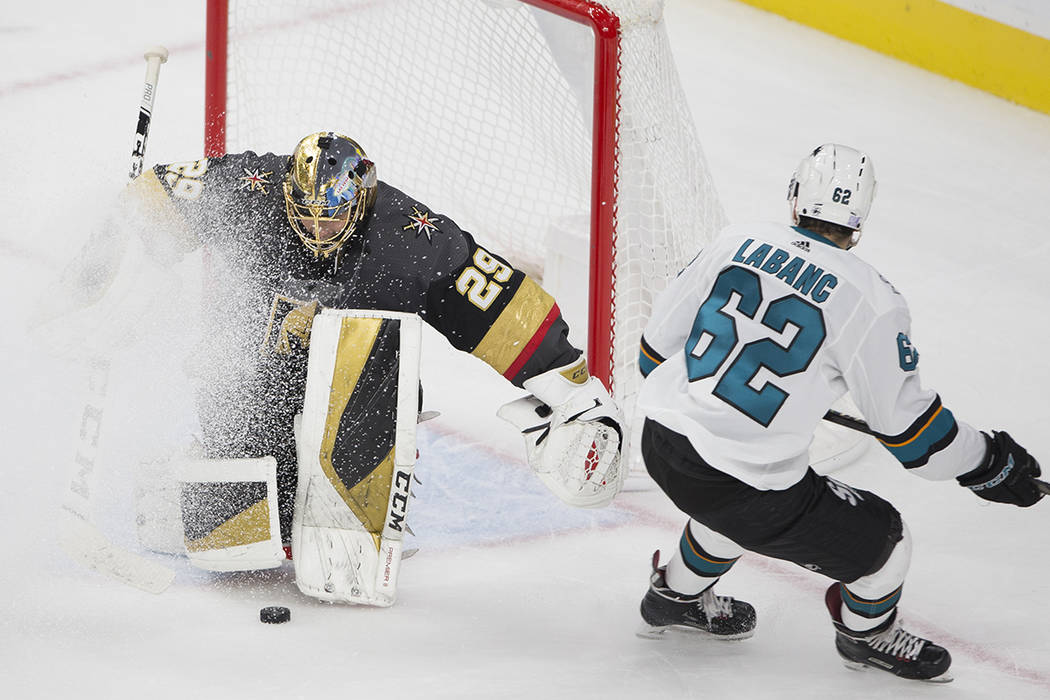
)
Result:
{"points": [[804, 245]]}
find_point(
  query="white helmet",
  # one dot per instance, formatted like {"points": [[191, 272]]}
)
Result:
{"points": [[836, 184]]}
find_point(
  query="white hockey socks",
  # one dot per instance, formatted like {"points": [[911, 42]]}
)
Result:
{"points": [[703, 556]]}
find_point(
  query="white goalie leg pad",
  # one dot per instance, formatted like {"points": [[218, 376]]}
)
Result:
{"points": [[356, 445], [229, 513]]}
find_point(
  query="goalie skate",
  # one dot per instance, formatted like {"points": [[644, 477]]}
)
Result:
{"points": [[717, 616]]}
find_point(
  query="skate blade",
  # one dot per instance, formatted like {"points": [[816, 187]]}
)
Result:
{"points": [[647, 631], [650, 632], [945, 677]]}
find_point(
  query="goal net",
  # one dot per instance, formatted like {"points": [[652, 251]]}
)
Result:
{"points": [[555, 131]]}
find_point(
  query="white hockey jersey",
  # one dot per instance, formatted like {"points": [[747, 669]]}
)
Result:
{"points": [[751, 344]]}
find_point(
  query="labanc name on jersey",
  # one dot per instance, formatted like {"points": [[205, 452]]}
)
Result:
{"points": [[795, 271]]}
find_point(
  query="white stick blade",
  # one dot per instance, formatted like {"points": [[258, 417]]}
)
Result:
{"points": [[84, 543]]}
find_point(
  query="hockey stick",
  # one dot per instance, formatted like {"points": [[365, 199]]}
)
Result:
{"points": [[79, 535], [862, 427], [848, 422]]}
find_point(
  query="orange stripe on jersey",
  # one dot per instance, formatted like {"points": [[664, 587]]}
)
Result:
{"points": [[520, 327], [914, 437], [646, 353]]}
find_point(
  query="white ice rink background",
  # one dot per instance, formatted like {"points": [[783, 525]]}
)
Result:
{"points": [[514, 595]]}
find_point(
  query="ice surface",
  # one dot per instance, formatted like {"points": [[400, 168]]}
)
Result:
{"points": [[512, 594]]}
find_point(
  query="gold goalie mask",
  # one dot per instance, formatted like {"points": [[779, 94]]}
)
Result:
{"points": [[329, 190]]}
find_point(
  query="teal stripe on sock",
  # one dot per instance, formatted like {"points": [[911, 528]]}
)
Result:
{"points": [[700, 562], [870, 608]]}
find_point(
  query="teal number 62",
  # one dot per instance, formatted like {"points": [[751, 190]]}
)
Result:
{"points": [[714, 339]]}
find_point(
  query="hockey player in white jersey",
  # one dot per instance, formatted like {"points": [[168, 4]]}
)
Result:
{"points": [[744, 353]]}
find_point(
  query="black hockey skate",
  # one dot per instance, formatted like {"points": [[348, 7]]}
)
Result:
{"points": [[714, 615], [888, 647]]}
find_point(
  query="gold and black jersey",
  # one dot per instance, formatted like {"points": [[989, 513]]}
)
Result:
{"points": [[263, 288], [404, 257]]}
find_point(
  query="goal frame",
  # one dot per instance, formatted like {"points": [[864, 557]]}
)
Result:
{"points": [[605, 25]]}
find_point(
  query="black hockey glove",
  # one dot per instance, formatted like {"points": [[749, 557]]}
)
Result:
{"points": [[1007, 475]]}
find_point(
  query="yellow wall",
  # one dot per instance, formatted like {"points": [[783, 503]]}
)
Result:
{"points": [[981, 52]]}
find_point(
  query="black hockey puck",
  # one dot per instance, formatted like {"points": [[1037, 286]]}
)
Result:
{"points": [[275, 615]]}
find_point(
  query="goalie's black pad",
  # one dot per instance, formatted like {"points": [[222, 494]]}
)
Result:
{"points": [[229, 514]]}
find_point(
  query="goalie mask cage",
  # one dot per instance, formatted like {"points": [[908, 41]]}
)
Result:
{"points": [[532, 123]]}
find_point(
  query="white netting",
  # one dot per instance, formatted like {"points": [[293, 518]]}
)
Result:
{"points": [[482, 109]]}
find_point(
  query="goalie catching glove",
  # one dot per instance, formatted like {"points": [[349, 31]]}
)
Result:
{"points": [[573, 435], [1007, 474]]}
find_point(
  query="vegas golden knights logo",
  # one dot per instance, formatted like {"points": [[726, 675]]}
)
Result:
{"points": [[289, 326]]}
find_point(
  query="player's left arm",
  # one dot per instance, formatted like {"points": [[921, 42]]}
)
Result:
{"points": [[497, 313], [921, 432]]}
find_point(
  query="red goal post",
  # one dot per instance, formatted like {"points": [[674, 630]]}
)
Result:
{"points": [[564, 120]]}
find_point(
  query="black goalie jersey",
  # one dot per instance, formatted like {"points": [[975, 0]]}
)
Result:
{"points": [[263, 287]]}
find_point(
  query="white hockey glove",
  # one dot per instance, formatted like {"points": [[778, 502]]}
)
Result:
{"points": [[573, 435]]}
